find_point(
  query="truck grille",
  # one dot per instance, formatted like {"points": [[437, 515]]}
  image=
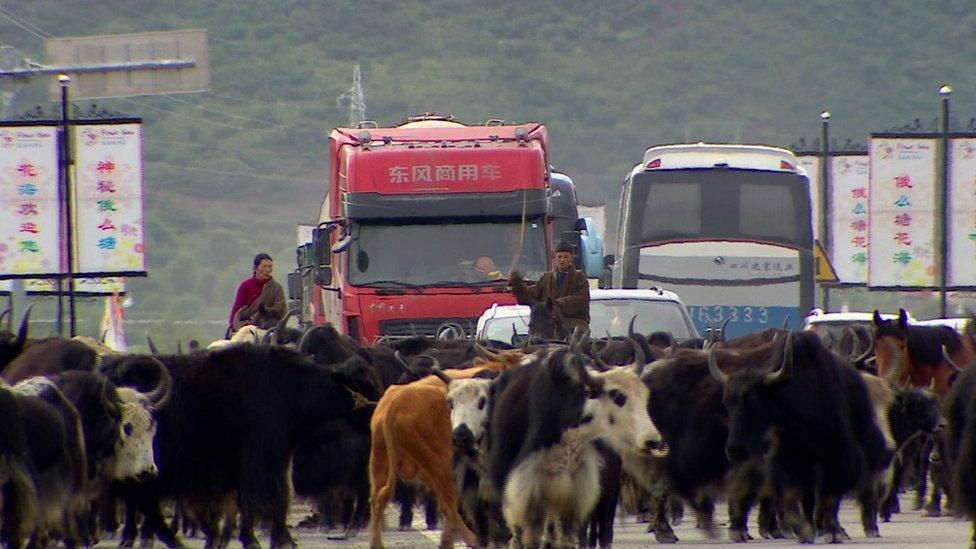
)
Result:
{"points": [[424, 326]]}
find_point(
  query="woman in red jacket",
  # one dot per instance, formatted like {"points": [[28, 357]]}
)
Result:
{"points": [[260, 299]]}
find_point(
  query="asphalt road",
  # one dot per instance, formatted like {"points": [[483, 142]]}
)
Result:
{"points": [[906, 530]]}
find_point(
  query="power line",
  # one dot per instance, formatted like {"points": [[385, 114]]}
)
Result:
{"points": [[181, 115], [230, 115], [230, 149], [276, 103], [241, 174], [216, 123], [25, 25]]}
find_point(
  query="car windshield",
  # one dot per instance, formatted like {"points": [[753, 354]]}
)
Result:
{"points": [[500, 329], [614, 315], [445, 254], [836, 328]]}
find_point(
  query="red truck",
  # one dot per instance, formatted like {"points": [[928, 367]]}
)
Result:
{"points": [[421, 224]]}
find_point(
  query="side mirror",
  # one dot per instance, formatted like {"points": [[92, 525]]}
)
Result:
{"points": [[323, 276], [591, 247], [320, 245], [342, 245], [295, 285]]}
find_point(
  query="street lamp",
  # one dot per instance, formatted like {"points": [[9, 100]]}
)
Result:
{"points": [[824, 193], [65, 80], [945, 91]]}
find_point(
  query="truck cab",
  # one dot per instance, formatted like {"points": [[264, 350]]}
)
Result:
{"points": [[422, 223]]}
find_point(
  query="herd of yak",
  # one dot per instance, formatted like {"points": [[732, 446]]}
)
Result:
{"points": [[528, 445]]}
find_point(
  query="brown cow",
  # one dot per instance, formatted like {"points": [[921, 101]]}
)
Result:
{"points": [[411, 439]]}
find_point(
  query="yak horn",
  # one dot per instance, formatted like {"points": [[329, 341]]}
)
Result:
{"points": [[724, 325], [855, 341], [359, 401], [280, 326], [948, 360], [865, 354], [713, 368], [630, 327], [574, 343], [24, 323], [786, 369], [640, 359], [152, 346], [711, 335], [571, 361], [238, 322], [434, 363], [599, 360], [303, 342], [486, 353], [160, 394], [441, 375]]}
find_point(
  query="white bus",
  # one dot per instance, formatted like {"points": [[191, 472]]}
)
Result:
{"points": [[726, 227]]}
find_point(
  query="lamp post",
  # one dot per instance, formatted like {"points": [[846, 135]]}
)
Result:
{"points": [[65, 81], [945, 91], [824, 193]]}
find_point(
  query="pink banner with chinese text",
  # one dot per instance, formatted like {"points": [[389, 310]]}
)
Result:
{"points": [[29, 216], [108, 206], [902, 219], [849, 251], [961, 221]]}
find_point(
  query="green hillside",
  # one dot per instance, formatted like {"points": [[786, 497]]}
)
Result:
{"points": [[231, 172]]}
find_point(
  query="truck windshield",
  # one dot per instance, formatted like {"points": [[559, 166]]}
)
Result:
{"points": [[446, 254]]}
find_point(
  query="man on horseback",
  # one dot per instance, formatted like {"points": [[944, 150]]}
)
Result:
{"points": [[565, 286]]}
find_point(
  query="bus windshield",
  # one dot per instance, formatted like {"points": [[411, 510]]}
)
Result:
{"points": [[720, 204], [445, 254], [735, 243]]}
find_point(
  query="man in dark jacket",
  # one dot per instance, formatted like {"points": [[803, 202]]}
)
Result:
{"points": [[567, 287]]}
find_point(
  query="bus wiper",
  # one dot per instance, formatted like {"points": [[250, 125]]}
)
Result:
{"points": [[391, 283]]}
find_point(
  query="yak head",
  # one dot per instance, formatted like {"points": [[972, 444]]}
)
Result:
{"points": [[326, 345], [625, 397], [913, 411], [747, 396]]}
